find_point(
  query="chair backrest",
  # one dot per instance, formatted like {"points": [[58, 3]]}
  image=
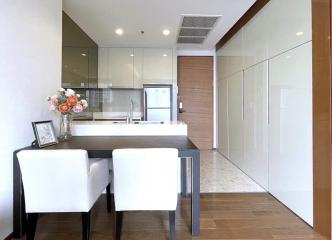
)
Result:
{"points": [[55, 180], [145, 179]]}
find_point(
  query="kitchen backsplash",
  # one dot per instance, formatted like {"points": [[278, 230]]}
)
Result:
{"points": [[108, 103], [118, 100]]}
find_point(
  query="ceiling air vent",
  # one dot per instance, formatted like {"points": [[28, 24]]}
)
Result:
{"points": [[195, 29]]}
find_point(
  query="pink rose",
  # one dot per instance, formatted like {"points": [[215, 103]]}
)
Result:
{"points": [[54, 100], [78, 108]]}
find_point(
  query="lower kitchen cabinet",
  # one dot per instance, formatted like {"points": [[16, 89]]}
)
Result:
{"points": [[290, 130], [255, 151]]}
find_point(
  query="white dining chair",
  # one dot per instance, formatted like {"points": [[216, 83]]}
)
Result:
{"points": [[62, 181], [145, 179]]}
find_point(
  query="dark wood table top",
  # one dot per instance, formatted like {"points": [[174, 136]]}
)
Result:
{"points": [[106, 143]]}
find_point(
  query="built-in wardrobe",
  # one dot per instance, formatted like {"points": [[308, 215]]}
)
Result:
{"points": [[265, 102]]}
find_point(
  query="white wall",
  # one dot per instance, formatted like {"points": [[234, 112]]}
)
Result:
{"points": [[271, 141], [30, 70]]}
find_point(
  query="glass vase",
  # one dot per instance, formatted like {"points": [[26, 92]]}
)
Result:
{"points": [[65, 127]]}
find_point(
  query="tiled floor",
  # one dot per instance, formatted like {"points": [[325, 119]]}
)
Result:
{"points": [[220, 175]]}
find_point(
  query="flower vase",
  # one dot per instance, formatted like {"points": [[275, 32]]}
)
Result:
{"points": [[65, 127]]}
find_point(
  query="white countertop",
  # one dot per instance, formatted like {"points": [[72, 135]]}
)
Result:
{"points": [[116, 128]]}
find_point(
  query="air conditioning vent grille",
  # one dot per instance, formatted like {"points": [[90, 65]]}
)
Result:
{"points": [[193, 32], [199, 21], [195, 29], [191, 40]]}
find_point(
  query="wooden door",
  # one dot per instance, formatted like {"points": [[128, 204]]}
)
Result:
{"points": [[195, 83]]}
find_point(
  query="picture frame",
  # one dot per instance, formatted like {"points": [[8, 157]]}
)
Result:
{"points": [[44, 133]]}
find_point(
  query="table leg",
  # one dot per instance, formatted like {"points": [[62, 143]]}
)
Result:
{"points": [[183, 177], [18, 200], [195, 198]]}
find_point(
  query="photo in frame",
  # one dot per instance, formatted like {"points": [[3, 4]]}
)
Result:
{"points": [[44, 133]]}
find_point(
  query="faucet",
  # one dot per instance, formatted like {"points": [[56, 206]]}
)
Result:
{"points": [[130, 117]]}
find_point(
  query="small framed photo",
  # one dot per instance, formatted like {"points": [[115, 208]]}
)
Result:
{"points": [[44, 133]]}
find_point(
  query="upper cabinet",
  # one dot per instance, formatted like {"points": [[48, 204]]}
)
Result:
{"points": [[120, 67], [133, 67], [276, 29], [157, 66], [138, 67], [75, 67], [79, 56]]}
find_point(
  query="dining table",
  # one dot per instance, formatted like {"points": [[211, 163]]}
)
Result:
{"points": [[102, 147]]}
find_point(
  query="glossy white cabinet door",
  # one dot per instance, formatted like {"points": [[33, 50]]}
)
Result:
{"points": [[157, 66], [255, 38], [290, 130], [255, 162], [103, 67], [121, 67], [280, 26], [235, 121], [138, 67], [230, 57], [290, 23], [223, 117]]}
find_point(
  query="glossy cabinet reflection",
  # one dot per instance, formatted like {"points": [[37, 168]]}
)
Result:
{"points": [[290, 130], [255, 151], [75, 67], [79, 56]]}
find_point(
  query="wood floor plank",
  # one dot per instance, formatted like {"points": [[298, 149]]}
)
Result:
{"points": [[232, 216]]}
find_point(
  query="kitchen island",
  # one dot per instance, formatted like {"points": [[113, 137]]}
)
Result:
{"points": [[136, 128]]}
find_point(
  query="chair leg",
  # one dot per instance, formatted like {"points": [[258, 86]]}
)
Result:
{"points": [[109, 198], [118, 224], [32, 219], [86, 225], [171, 225]]}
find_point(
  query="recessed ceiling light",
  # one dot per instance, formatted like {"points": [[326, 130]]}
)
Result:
{"points": [[131, 55], [299, 33], [119, 31], [166, 32], [83, 54], [164, 55]]}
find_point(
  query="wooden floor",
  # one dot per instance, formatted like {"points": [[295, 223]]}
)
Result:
{"points": [[223, 216]]}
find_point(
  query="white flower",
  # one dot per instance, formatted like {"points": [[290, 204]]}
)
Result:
{"points": [[70, 92], [62, 90], [84, 103], [77, 95], [52, 108]]}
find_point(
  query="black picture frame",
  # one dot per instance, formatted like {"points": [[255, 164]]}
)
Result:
{"points": [[44, 133]]}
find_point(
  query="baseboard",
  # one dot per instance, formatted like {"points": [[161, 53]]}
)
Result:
{"points": [[9, 237]]}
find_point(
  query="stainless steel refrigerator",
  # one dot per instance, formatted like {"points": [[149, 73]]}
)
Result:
{"points": [[157, 102]]}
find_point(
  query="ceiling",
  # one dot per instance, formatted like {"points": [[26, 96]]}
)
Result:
{"points": [[100, 18]]}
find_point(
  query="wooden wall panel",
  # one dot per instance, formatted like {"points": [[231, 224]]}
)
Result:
{"points": [[195, 82], [321, 23]]}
